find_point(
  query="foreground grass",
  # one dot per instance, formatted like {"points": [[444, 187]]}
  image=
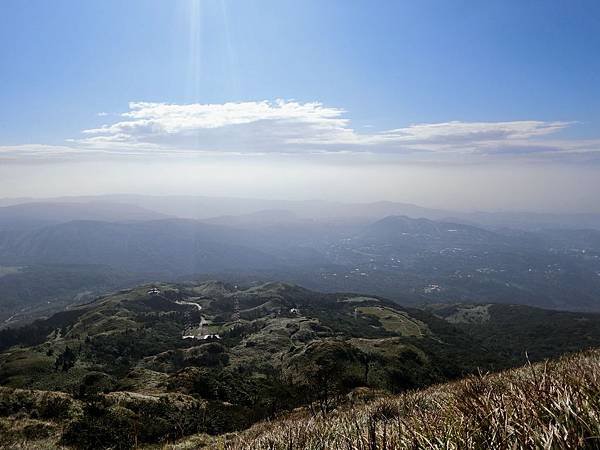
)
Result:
{"points": [[553, 405]]}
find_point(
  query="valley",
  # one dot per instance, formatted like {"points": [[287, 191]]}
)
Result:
{"points": [[61, 251]]}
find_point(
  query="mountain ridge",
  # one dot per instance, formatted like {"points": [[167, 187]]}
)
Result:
{"points": [[219, 357]]}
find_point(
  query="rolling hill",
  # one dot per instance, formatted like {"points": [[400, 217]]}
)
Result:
{"points": [[162, 361]]}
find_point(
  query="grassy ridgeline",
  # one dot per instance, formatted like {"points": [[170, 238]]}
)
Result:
{"points": [[548, 405]]}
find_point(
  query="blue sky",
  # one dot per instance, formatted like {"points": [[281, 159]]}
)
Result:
{"points": [[507, 78], [388, 63]]}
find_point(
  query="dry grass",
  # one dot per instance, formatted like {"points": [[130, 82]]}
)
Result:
{"points": [[555, 405], [394, 321]]}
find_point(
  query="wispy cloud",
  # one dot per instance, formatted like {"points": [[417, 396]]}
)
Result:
{"points": [[291, 127], [36, 152]]}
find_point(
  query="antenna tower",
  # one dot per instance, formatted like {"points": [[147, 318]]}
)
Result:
{"points": [[236, 309]]}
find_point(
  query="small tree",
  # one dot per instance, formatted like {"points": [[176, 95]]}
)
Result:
{"points": [[66, 360]]}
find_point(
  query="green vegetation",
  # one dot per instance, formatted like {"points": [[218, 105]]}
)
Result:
{"points": [[547, 405], [395, 321], [515, 330], [459, 314], [127, 376]]}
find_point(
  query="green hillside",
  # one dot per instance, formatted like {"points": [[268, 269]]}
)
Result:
{"points": [[160, 362]]}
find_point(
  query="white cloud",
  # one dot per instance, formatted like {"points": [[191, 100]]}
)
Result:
{"points": [[291, 127], [245, 126]]}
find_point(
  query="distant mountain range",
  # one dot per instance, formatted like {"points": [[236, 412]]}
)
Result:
{"points": [[203, 207], [180, 246], [415, 261]]}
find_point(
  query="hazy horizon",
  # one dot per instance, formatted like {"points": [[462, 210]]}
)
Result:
{"points": [[535, 189]]}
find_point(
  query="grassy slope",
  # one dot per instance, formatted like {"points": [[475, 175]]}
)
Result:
{"points": [[547, 405], [274, 361], [555, 405]]}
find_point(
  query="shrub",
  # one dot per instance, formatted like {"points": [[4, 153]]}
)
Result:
{"points": [[102, 427]]}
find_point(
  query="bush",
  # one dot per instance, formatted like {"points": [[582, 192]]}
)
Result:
{"points": [[95, 383], [102, 427], [123, 420], [55, 407]]}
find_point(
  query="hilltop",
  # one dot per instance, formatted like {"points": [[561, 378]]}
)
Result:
{"points": [[162, 361]]}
